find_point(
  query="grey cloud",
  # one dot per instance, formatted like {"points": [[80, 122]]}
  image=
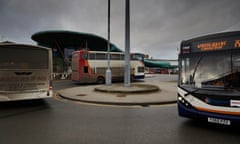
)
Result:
{"points": [[157, 26]]}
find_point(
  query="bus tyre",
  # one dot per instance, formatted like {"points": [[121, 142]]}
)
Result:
{"points": [[100, 80], [132, 78]]}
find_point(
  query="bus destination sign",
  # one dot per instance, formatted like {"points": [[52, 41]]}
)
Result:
{"points": [[223, 44], [211, 45]]}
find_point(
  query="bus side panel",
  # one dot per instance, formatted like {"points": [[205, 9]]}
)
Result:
{"points": [[89, 70]]}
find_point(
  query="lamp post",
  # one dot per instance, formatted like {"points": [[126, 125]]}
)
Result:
{"points": [[108, 78], [127, 45]]}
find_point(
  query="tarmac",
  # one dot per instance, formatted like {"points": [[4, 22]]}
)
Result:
{"points": [[140, 93]]}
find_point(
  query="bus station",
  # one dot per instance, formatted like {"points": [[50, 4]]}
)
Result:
{"points": [[63, 43], [184, 88]]}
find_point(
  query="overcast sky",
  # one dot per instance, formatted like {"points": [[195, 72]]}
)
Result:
{"points": [[157, 26]]}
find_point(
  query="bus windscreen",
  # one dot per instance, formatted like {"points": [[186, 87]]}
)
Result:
{"points": [[23, 58]]}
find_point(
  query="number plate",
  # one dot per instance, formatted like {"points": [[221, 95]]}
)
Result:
{"points": [[219, 121], [235, 103]]}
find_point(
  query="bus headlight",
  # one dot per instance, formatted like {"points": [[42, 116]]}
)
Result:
{"points": [[183, 101]]}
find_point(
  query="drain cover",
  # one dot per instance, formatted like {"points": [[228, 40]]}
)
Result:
{"points": [[121, 95], [81, 95]]}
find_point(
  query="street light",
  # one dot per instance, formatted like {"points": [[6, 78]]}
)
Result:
{"points": [[127, 45], [108, 78]]}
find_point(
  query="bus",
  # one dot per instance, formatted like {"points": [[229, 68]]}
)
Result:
{"points": [[90, 66], [209, 78], [25, 72]]}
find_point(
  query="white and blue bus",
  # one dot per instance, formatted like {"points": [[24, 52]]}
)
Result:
{"points": [[209, 78], [25, 72]]}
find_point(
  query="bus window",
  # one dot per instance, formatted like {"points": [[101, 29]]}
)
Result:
{"points": [[115, 56], [100, 56], [85, 69], [185, 71], [84, 56], [91, 56]]}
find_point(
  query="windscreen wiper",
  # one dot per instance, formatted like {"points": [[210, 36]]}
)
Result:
{"points": [[193, 76], [195, 69]]}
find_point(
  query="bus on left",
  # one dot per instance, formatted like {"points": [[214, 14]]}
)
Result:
{"points": [[25, 72]]}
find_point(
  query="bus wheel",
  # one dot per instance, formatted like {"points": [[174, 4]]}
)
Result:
{"points": [[132, 78], [100, 80]]}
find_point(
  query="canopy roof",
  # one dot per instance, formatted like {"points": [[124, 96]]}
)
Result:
{"points": [[158, 64], [72, 39]]}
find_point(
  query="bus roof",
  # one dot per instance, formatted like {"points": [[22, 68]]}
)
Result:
{"points": [[12, 44], [213, 36]]}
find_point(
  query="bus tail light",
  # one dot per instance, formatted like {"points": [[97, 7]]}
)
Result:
{"points": [[49, 93]]}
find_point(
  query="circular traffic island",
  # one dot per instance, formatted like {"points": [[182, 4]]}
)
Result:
{"points": [[133, 88]]}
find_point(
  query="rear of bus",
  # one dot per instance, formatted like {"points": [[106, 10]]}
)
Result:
{"points": [[25, 72], [137, 66]]}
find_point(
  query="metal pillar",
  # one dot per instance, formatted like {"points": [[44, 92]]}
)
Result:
{"points": [[108, 78], [127, 79]]}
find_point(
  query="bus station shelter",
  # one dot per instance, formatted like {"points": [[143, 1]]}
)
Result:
{"points": [[63, 43]]}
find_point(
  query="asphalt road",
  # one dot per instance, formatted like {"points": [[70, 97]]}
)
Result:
{"points": [[58, 121]]}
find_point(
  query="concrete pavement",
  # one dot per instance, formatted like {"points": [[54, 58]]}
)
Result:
{"points": [[102, 94]]}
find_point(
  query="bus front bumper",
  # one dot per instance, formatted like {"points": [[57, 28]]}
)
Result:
{"points": [[223, 119]]}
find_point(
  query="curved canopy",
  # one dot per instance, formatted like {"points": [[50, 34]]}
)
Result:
{"points": [[157, 64], [73, 39]]}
